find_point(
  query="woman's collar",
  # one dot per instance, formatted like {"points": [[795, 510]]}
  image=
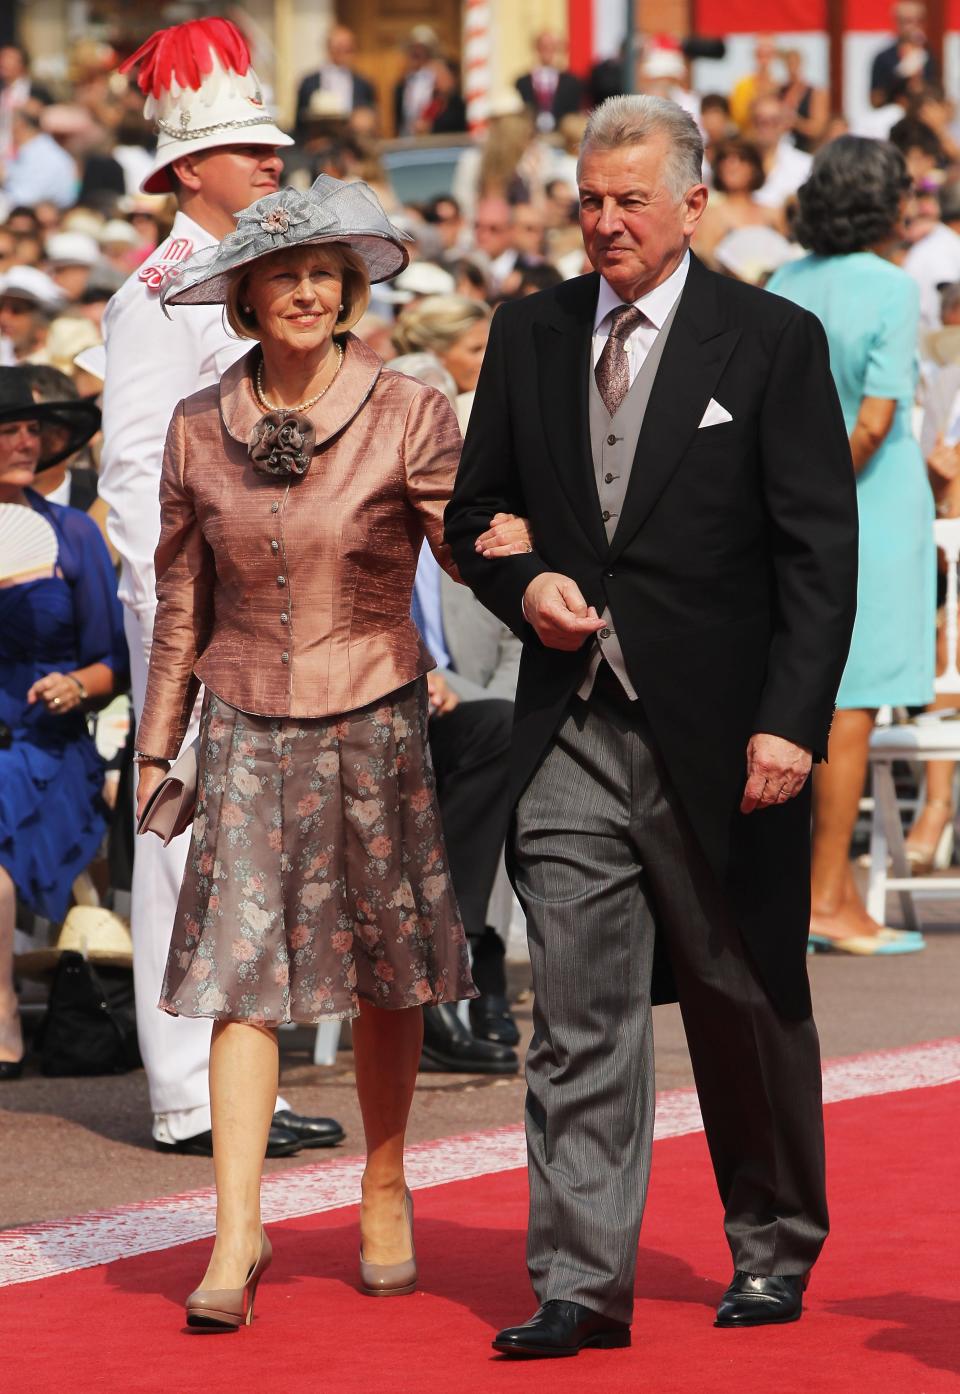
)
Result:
{"points": [[240, 411]]}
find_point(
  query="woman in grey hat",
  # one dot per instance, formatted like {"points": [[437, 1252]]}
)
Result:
{"points": [[295, 496]]}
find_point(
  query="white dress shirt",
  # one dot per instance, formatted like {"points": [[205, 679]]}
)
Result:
{"points": [[152, 362], [656, 305]]}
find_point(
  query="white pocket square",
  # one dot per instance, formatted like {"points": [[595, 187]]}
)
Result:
{"points": [[715, 415]]}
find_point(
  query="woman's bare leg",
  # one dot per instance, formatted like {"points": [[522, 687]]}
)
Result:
{"points": [[837, 910], [386, 1053], [11, 1036], [244, 1074]]}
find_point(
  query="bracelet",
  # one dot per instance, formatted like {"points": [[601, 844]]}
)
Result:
{"points": [[84, 694], [139, 758]]}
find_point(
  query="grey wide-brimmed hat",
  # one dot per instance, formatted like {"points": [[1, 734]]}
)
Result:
{"points": [[330, 211]]}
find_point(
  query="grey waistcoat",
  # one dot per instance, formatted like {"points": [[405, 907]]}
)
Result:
{"points": [[613, 442]]}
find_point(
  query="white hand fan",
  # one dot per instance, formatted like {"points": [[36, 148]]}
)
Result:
{"points": [[28, 543]]}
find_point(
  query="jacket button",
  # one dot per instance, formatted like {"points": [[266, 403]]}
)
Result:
{"points": [[274, 546], [609, 575], [275, 507], [284, 658], [605, 633], [611, 440], [284, 618], [281, 580]]}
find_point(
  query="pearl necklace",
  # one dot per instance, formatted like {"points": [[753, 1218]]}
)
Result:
{"points": [[301, 406]]}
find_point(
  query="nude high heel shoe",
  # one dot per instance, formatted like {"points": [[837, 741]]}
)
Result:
{"points": [[224, 1309], [391, 1279]]}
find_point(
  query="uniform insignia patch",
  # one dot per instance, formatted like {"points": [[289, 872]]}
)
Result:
{"points": [[158, 271]]}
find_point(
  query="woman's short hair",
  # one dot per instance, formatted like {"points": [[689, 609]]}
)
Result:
{"points": [[624, 121], [852, 200], [356, 291], [746, 151], [434, 325]]}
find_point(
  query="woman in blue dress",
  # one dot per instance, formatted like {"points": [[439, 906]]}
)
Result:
{"points": [[850, 212], [62, 653]]}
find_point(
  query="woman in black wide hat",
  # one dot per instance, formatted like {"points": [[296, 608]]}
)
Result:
{"points": [[62, 653]]}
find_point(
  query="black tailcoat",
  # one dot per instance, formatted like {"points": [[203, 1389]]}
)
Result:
{"points": [[731, 577]]}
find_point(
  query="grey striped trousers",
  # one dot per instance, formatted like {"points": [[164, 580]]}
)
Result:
{"points": [[603, 858]]}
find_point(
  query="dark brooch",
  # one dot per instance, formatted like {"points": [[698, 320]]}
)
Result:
{"points": [[281, 443]]}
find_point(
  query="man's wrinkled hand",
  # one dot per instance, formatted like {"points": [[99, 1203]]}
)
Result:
{"points": [[441, 695], [558, 612], [776, 772]]}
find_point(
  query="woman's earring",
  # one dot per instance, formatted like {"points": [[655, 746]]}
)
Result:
{"points": [[341, 307], [248, 309]]}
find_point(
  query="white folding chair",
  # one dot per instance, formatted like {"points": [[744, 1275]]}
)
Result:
{"points": [[928, 737]]}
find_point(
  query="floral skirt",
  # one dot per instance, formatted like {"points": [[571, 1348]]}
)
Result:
{"points": [[317, 873]]}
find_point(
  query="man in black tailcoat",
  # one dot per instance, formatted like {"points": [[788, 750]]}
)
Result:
{"points": [[676, 441]]}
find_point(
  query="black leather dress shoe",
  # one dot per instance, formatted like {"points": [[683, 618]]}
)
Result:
{"points": [[312, 1132], [492, 1020], [562, 1328], [11, 1069], [450, 1048], [281, 1142], [758, 1301]]}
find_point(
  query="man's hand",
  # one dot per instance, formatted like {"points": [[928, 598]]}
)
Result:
{"points": [[507, 536], [441, 695], [776, 771], [558, 612]]}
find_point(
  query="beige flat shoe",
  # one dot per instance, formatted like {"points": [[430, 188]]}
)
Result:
{"points": [[391, 1279], [224, 1309]]}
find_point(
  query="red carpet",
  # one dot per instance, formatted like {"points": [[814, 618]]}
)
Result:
{"points": [[883, 1310]]}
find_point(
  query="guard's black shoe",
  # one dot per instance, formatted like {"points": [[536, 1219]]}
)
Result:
{"points": [[449, 1047], [492, 1020], [562, 1328], [280, 1143], [758, 1301], [312, 1132]]}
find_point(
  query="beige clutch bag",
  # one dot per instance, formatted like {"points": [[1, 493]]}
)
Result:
{"points": [[171, 807]]}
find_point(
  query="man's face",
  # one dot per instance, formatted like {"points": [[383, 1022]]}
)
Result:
{"points": [[767, 124], [71, 278], [909, 20], [634, 229], [448, 223], [22, 324], [11, 64], [528, 230], [341, 48], [234, 176], [547, 48], [491, 227]]}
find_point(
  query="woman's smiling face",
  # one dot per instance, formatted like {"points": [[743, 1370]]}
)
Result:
{"points": [[295, 296]]}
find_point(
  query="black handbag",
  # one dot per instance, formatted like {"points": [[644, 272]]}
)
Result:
{"points": [[90, 1026]]}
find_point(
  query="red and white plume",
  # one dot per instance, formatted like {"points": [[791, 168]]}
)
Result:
{"points": [[209, 57]]}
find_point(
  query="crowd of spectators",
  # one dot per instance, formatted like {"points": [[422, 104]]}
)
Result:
{"points": [[74, 225]]}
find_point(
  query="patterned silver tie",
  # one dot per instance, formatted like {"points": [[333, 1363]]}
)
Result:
{"points": [[613, 366]]}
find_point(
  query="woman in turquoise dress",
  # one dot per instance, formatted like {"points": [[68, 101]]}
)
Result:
{"points": [[850, 211]]}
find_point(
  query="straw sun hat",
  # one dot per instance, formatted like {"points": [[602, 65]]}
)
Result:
{"points": [[330, 211], [98, 934]]}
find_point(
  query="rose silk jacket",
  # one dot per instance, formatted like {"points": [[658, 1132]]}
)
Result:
{"points": [[291, 597]]}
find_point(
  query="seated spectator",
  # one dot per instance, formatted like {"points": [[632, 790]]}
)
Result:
{"points": [[785, 167], [716, 125], [471, 280], [808, 106], [533, 279], [414, 92], [528, 226], [446, 112], [70, 257], [337, 80], [934, 259], [493, 236], [73, 480], [17, 89], [29, 300], [548, 90], [907, 60], [452, 328], [445, 215], [762, 82], [39, 168], [921, 149], [737, 176], [932, 106], [62, 653]]}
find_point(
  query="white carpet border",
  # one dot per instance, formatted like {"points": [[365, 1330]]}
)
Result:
{"points": [[64, 1246]]}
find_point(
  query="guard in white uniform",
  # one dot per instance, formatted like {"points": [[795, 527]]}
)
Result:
{"points": [[152, 362]]}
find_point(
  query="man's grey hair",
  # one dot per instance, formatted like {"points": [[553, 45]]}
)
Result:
{"points": [[623, 121]]}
